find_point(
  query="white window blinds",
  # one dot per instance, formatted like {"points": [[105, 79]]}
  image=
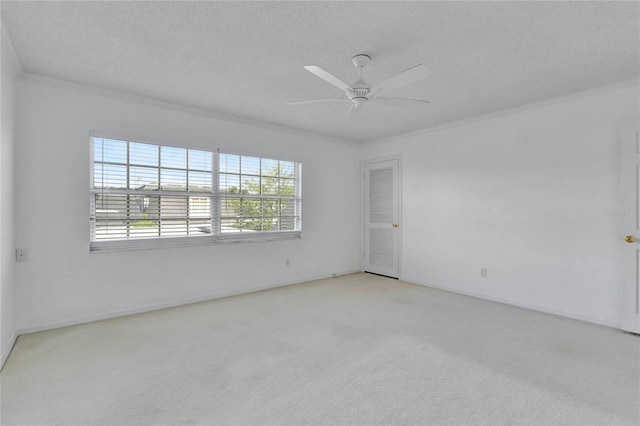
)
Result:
{"points": [[258, 194], [143, 193]]}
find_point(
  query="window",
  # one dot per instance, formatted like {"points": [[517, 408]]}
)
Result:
{"points": [[146, 195], [257, 194]]}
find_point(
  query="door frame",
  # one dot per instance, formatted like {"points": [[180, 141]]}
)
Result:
{"points": [[363, 164]]}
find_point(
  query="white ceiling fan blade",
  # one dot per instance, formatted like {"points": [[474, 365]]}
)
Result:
{"points": [[351, 111], [354, 111], [329, 78], [317, 101], [392, 100], [402, 79]]}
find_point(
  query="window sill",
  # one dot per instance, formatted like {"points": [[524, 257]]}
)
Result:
{"points": [[159, 243]]}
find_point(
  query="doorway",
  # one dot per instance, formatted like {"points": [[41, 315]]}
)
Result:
{"points": [[381, 197]]}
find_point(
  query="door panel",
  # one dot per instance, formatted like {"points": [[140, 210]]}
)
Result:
{"points": [[381, 214], [381, 247], [630, 229], [381, 195]]}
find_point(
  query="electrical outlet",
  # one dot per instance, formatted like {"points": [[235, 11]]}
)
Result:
{"points": [[22, 255], [483, 272]]}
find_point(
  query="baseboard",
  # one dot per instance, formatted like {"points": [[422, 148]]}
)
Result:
{"points": [[7, 350], [515, 303], [187, 301]]}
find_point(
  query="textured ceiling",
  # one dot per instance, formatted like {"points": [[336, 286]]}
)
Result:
{"points": [[246, 58]]}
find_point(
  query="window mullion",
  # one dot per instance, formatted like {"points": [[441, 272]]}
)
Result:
{"points": [[188, 218], [216, 201], [159, 193], [129, 224]]}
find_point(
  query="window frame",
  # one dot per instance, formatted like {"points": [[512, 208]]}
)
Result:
{"points": [[216, 196]]}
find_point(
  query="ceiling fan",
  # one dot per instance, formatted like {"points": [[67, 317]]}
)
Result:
{"points": [[362, 92]]}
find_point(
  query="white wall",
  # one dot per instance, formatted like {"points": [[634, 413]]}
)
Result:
{"points": [[62, 283], [9, 70], [524, 195]]}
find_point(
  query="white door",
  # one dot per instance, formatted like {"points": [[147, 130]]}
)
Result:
{"points": [[630, 229], [381, 217]]}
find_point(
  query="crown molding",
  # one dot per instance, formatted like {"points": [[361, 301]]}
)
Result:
{"points": [[131, 97], [624, 84]]}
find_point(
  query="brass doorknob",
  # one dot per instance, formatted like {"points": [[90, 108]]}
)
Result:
{"points": [[630, 239], [395, 225]]}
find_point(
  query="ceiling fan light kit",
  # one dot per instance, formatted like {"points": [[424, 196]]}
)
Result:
{"points": [[362, 92]]}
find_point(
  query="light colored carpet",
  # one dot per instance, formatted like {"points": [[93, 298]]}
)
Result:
{"points": [[358, 349]]}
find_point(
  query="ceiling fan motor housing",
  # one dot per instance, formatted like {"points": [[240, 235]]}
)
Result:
{"points": [[360, 92], [359, 96]]}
